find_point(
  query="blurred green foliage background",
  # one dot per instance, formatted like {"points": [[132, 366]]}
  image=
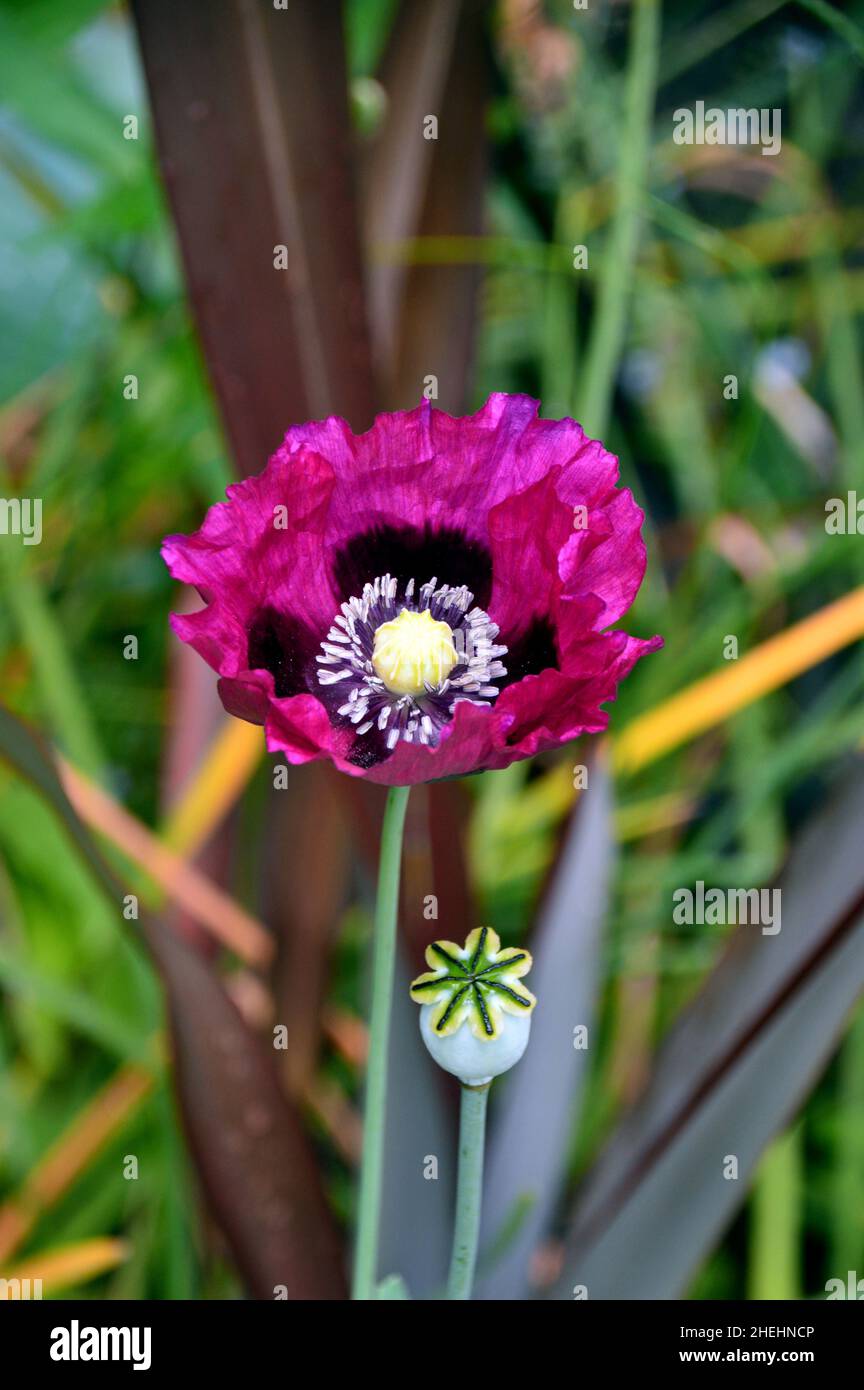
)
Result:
{"points": [[742, 266]]}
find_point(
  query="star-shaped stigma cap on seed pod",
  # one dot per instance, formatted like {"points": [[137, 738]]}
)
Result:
{"points": [[475, 1015]]}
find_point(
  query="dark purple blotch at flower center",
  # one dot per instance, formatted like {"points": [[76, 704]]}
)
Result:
{"points": [[407, 552], [342, 674]]}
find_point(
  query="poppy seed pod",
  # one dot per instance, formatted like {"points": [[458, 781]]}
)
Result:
{"points": [[475, 1015]]}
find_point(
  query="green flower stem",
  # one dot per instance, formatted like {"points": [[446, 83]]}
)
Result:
{"points": [[383, 964], [469, 1191]]}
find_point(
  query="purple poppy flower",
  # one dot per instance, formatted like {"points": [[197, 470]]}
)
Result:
{"points": [[428, 599]]}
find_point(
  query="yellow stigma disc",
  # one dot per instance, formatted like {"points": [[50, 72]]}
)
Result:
{"points": [[411, 650]]}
